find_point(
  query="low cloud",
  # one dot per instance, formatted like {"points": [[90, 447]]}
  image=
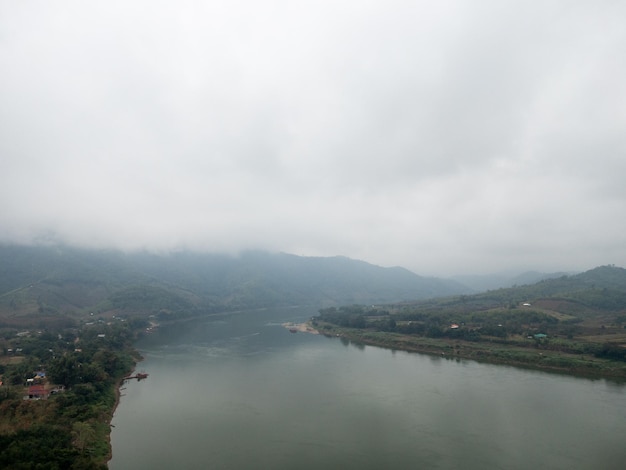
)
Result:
{"points": [[446, 137]]}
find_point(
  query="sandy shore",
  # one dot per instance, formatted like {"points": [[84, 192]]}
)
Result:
{"points": [[301, 327]]}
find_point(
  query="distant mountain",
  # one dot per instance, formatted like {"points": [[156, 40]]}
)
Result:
{"points": [[484, 282], [602, 289], [38, 281]]}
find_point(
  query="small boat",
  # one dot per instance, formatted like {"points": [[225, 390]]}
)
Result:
{"points": [[141, 375], [293, 330]]}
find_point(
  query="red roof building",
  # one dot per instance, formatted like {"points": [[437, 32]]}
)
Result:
{"points": [[37, 391]]}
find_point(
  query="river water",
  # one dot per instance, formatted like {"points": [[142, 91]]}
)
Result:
{"points": [[239, 391]]}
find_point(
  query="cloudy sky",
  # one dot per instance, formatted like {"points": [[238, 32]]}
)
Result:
{"points": [[448, 137]]}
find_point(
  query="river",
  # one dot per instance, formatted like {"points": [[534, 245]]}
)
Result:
{"points": [[239, 391]]}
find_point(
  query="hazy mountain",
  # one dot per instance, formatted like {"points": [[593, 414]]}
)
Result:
{"points": [[599, 289], [58, 280], [484, 282]]}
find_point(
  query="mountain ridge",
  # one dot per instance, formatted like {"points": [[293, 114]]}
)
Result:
{"points": [[57, 280]]}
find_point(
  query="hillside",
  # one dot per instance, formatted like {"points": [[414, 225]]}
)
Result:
{"points": [[599, 289], [572, 323], [48, 284], [484, 282]]}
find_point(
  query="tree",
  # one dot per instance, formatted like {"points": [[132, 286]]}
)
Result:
{"points": [[64, 370], [83, 435]]}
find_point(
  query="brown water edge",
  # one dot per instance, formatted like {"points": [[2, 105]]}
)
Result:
{"points": [[118, 385], [118, 395]]}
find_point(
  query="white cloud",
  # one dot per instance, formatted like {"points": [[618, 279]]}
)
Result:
{"points": [[446, 137]]}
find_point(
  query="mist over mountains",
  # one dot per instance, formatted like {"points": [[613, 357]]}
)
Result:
{"points": [[51, 284], [61, 279]]}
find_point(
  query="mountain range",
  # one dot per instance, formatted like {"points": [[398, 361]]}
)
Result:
{"points": [[61, 280], [48, 284]]}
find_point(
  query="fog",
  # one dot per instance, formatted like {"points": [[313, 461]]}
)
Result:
{"points": [[446, 137]]}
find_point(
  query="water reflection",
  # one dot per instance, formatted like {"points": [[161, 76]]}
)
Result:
{"points": [[242, 392]]}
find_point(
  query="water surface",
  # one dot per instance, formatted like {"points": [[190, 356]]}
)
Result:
{"points": [[239, 391]]}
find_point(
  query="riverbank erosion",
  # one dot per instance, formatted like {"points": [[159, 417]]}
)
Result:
{"points": [[537, 356]]}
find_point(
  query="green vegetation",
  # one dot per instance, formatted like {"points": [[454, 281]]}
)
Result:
{"points": [[574, 323], [59, 392]]}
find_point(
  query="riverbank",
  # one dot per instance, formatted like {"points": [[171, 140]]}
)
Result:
{"points": [[484, 351], [118, 395], [70, 427]]}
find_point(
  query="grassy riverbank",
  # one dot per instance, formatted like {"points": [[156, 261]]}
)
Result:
{"points": [[535, 356], [575, 325]]}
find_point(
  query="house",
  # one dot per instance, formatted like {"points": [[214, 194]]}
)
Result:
{"points": [[540, 336], [454, 326], [37, 392]]}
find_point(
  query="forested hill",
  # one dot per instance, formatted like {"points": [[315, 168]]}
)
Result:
{"points": [[485, 282], [601, 288], [574, 324], [54, 281]]}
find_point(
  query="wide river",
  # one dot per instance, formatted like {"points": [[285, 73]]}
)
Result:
{"points": [[239, 391]]}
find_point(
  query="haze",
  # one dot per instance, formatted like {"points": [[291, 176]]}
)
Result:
{"points": [[447, 137]]}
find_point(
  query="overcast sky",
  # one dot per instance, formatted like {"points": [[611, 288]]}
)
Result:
{"points": [[447, 137]]}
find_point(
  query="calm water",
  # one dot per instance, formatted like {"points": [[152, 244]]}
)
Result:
{"points": [[241, 392]]}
